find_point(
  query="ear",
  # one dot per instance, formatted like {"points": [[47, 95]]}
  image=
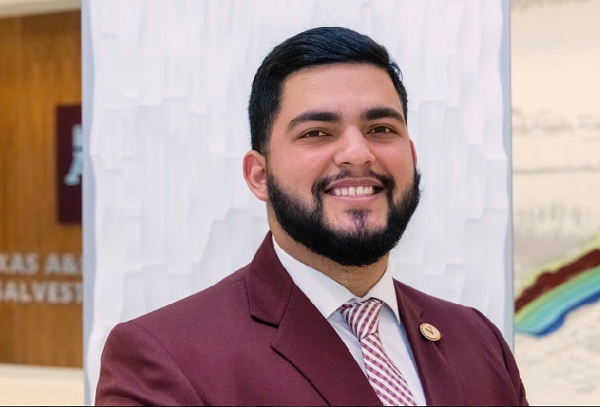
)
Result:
{"points": [[255, 174], [414, 153]]}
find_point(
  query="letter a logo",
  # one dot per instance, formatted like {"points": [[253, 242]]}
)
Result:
{"points": [[76, 170]]}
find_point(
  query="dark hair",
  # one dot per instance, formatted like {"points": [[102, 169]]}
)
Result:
{"points": [[317, 46]]}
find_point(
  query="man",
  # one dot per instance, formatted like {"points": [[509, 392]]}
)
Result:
{"points": [[316, 317]]}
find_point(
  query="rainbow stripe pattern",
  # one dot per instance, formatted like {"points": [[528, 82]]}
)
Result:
{"points": [[558, 290]]}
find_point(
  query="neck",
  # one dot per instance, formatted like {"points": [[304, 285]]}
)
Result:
{"points": [[357, 279]]}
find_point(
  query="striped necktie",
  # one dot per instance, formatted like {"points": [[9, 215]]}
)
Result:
{"points": [[385, 378]]}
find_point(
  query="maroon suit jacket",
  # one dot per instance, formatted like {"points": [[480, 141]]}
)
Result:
{"points": [[256, 339]]}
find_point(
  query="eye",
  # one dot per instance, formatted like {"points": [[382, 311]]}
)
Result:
{"points": [[313, 134], [381, 129]]}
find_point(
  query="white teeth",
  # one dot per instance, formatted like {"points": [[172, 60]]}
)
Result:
{"points": [[354, 191]]}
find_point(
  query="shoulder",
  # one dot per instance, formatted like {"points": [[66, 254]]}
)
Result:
{"points": [[441, 310], [461, 327], [219, 305], [470, 340], [170, 342]]}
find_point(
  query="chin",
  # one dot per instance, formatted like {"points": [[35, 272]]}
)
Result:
{"points": [[353, 227]]}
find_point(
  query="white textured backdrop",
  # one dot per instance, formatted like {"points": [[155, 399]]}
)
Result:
{"points": [[168, 211]]}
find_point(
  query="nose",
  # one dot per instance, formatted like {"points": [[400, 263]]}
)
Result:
{"points": [[353, 150]]}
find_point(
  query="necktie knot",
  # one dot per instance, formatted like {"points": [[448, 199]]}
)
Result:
{"points": [[362, 317]]}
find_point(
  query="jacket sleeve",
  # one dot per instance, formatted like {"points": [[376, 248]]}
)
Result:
{"points": [[136, 369], [509, 361]]}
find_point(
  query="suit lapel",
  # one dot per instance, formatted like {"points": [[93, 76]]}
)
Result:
{"points": [[304, 337], [307, 340], [438, 377]]}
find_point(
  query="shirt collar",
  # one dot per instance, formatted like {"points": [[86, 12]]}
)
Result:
{"points": [[326, 294]]}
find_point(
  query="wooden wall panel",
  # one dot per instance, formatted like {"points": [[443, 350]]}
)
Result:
{"points": [[40, 68]]}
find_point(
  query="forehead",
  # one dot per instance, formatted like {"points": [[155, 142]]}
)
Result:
{"points": [[346, 88]]}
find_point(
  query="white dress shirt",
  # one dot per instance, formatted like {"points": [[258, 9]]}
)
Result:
{"points": [[327, 296]]}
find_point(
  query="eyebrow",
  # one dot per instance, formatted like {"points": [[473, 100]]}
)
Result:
{"points": [[381, 112], [373, 113], [315, 116]]}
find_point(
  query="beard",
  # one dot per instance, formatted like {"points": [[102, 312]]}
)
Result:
{"points": [[359, 247]]}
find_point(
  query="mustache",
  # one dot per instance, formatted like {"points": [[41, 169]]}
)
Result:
{"points": [[321, 184]]}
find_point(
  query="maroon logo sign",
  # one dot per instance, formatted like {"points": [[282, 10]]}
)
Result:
{"points": [[69, 163]]}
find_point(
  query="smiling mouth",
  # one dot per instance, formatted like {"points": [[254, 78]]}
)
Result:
{"points": [[358, 191]]}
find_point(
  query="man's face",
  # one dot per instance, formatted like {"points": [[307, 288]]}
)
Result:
{"points": [[340, 150]]}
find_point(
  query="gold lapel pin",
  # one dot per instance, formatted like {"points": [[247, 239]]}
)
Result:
{"points": [[430, 332]]}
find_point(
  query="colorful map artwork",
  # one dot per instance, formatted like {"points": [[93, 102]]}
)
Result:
{"points": [[556, 189], [557, 290]]}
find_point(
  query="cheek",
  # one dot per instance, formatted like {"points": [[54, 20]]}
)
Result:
{"points": [[301, 167], [396, 160], [400, 165], [297, 173]]}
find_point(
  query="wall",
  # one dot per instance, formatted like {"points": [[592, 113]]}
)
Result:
{"points": [[171, 212], [556, 127], [40, 69]]}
